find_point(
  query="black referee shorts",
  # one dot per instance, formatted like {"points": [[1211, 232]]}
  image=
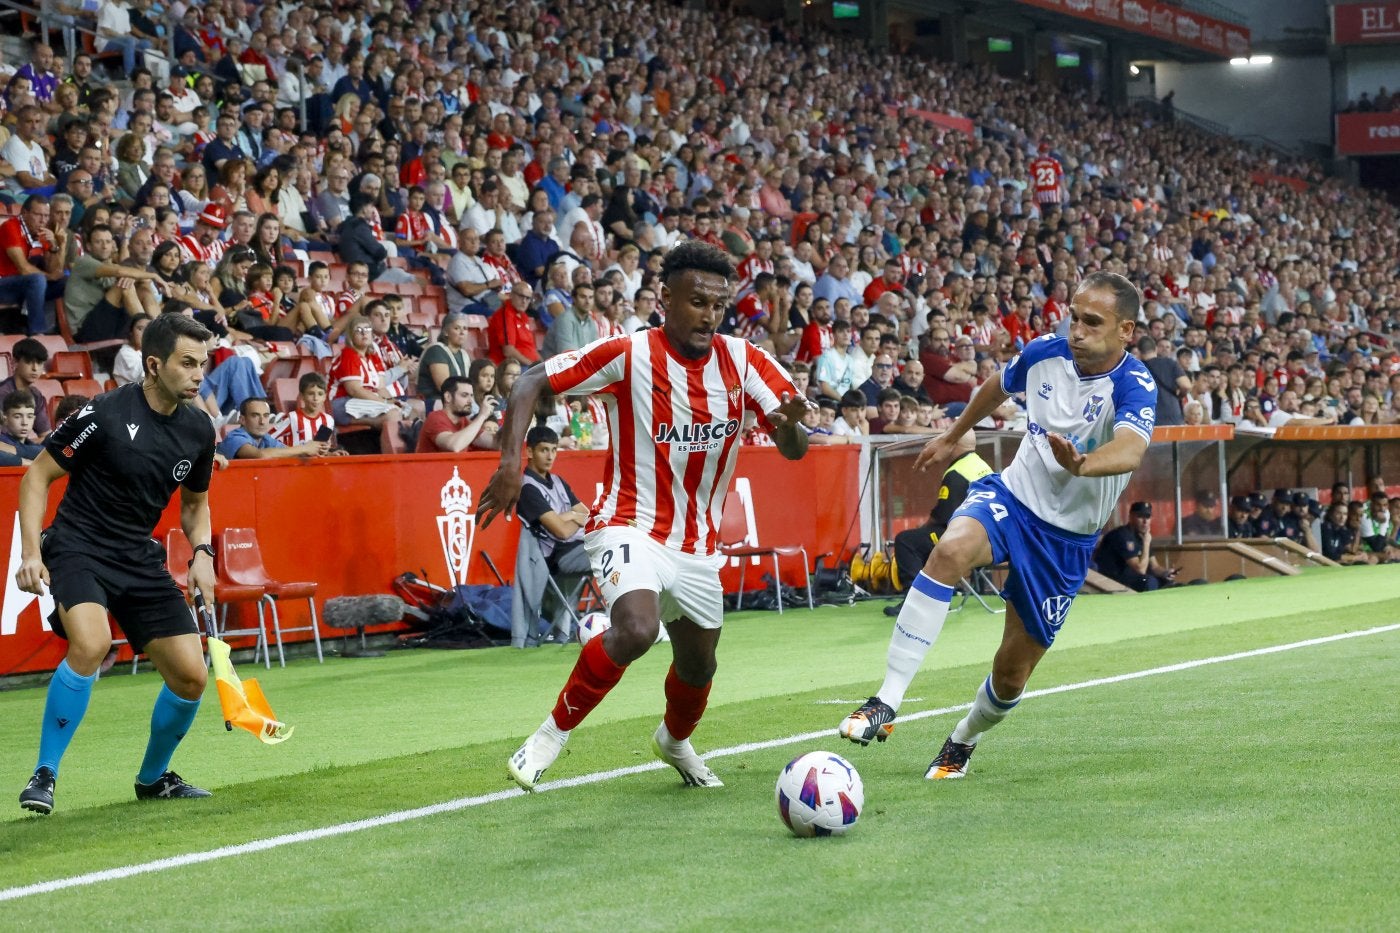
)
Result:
{"points": [[135, 588]]}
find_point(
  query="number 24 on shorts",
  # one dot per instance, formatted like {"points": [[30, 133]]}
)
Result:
{"points": [[626, 550], [998, 510]]}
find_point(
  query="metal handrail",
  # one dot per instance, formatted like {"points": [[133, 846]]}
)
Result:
{"points": [[43, 17]]}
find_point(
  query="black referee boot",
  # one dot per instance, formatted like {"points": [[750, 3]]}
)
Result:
{"points": [[38, 796], [168, 785]]}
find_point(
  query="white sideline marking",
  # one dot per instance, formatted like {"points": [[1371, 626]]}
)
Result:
{"points": [[463, 803], [860, 701]]}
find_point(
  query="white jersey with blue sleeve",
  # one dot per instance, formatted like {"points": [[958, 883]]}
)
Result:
{"points": [[1088, 410]]}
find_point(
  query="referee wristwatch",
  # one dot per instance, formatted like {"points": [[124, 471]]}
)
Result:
{"points": [[207, 549]]}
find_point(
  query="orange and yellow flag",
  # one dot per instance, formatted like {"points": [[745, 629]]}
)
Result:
{"points": [[242, 701]]}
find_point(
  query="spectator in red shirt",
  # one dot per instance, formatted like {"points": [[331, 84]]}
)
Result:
{"points": [[359, 393], [949, 377], [816, 336], [24, 240], [889, 281], [1018, 322], [452, 428], [509, 335]]}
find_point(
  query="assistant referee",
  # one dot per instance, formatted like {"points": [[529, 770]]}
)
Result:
{"points": [[125, 454]]}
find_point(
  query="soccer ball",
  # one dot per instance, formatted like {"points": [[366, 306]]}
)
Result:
{"points": [[592, 625], [596, 623], [819, 794]]}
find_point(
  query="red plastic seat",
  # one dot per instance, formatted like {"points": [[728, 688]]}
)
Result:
{"points": [[89, 387], [240, 559], [177, 560], [284, 393], [70, 364], [733, 528]]}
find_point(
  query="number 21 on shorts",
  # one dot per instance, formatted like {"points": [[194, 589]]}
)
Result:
{"points": [[625, 549]]}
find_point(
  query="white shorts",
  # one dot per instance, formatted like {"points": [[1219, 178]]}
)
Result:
{"points": [[626, 559]]}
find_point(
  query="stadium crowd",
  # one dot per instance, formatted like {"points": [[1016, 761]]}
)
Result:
{"points": [[1381, 102], [472, 186]]}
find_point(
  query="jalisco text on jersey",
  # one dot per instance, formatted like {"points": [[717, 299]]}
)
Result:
{"points": [[696, 433]]}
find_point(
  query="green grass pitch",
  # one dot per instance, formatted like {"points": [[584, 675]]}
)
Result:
{"points": [[1256, 793]]}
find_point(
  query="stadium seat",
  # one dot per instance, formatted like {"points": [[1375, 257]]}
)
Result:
{"points": [[284, 393], [51, 403], [390, 440], [477, 342], [732, 529], [89, 387], [177, 561], [240, 559], [48, 388], [434, 299], [54, 343], [280, 368], [70, 364]]}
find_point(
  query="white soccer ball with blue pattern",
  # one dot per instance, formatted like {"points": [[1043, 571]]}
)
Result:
{"points": [[819, 794], [592, 625]]}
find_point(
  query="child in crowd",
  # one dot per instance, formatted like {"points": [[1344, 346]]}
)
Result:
{"points": [[852, 422], [309, 421], [17, 447]]}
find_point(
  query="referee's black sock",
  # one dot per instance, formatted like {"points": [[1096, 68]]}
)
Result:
{"points": [[64, 708]]}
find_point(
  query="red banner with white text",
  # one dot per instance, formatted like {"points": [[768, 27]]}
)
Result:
{"points": [[354, 523], [1368, 133], [1164, 21], [1366, 23]]}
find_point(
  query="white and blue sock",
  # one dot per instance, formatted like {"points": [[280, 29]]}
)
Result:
{"points": [[988, 709], [920, 620], [170, 720], [64, 709]]}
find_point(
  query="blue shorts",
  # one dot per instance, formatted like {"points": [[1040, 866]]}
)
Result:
{"points": [[1048, 564]]}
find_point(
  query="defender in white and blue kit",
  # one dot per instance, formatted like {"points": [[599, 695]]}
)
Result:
{"points": [[1090, 410]]}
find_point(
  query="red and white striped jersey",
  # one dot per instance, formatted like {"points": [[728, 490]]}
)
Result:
{"points": [[299, 428], [749, 270], [752, 317], [340, 302], [350, 366], [674, 427], [910, 265], [509, 275], [1046, 175], [607, 327], [389, 357], [412, 225], [191, 250]]}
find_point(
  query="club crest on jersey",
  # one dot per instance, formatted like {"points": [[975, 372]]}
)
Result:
{"points": [[734, 391], [690, 438], [1045, 389], [1093, 408]]}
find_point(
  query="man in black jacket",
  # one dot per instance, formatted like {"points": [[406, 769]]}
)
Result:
{"points": [[359, 244]]}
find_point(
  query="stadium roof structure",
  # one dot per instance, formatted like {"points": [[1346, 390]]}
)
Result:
{"points": [[1151, 29]]}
